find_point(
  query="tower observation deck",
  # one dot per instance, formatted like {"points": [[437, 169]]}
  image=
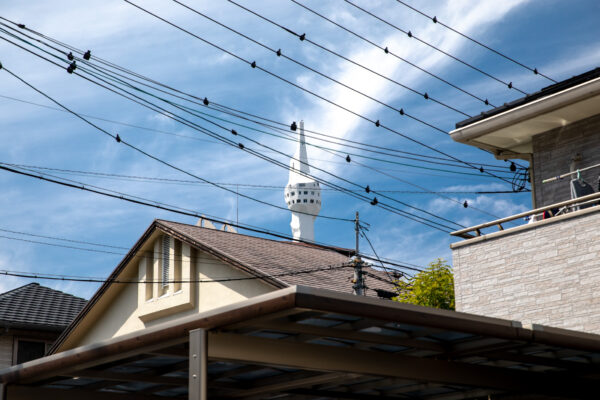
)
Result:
{"points": [[302, 193]]}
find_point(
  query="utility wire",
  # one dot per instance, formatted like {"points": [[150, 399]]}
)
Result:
{"points": [[435, 20], [398, 201], [212, 104], [138, 178], [75, 278], [170, 115], [120, 140], [255, 66], [386, 50], [303, 38], [411, 35], [279, 53]]}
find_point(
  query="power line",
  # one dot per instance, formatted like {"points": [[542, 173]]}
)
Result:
{"points": [[75, 278], [220, 106], [411, 35], [435, 20], [448, 157], [253, 64], [137, 178], [118, 139], [404, 213], [170, 115], [279, 53], [303, 38], [386, 50]]}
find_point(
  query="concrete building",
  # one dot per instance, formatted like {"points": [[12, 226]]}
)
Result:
{"points": [[545, 271], [31, 318], [302, 193]]}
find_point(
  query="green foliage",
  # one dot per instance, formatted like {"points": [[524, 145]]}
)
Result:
{"points": [[433, 287]]}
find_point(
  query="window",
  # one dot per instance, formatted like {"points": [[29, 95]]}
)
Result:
{"points": [[304, 200], [312, 201], [293, 193], [312, 192], [177, 267], [165, 261], [28, 350], [306, 192]]}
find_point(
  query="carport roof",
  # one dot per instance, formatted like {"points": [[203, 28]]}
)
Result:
{"points": [[302, 342]]}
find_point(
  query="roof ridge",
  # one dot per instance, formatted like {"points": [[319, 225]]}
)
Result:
{"points": [[17, 290], [289, 243]]}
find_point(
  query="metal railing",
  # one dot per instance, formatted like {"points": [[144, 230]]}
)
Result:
{"points": [[567, 205]]}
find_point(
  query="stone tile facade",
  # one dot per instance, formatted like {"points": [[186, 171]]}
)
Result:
{"points": [[544, 273], [553, 152]]}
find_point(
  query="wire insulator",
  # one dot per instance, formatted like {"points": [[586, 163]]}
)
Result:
{"points": [[377, 124], [535, 71], [253, 65], [70, 56], [465, 204], [87, 55], [348, 159], [279, 53], [0, 65], [426, 96], [409, 34], [205, 101], [233, 131], [374, 201], [241, 146], [72, 67], [513, 167], [293, 126], [386, 50], [434, 19], [487, 103], [118, 138], [22, 26], [368, 189], [481, 170], [402, 111], [510, 85], [303, 36]]}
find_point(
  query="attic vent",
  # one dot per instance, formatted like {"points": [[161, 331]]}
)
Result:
{"points": [[165, 260]]}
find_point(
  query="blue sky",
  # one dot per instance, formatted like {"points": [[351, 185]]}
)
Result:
{"points": [[557, 37]]}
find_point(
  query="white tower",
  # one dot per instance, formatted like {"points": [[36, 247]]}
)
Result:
{"points": [[302, 193]]}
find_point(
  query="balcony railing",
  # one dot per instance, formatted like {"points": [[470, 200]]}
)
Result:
{"points": [[563, 207]]}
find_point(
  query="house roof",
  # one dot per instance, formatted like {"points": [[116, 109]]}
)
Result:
{"points": [[508, 131], [309, 343], [281, 264], [38, 307], [265, 257], [544, 92]]}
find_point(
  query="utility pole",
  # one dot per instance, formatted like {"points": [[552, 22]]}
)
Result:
{"points": [[359, 283]]}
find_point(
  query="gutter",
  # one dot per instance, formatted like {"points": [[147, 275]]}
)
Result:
{"points": [[527, 111]]}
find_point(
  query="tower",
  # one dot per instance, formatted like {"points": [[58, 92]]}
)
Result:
{"points": [[302, 193]]}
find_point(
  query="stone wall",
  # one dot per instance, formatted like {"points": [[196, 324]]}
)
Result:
{"points": [[544, 273], [552, 155]]}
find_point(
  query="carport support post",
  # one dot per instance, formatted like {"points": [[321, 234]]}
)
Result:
{"points": [[198, 364]]}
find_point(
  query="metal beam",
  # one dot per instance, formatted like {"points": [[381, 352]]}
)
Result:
{"points": [[256, 350], [198, 377], [17, 392]]}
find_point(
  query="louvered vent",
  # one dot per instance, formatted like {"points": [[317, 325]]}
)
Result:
{"points": [[165, 260]]}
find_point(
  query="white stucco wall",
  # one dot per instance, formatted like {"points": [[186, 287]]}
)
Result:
{"points": [[123, 312]]}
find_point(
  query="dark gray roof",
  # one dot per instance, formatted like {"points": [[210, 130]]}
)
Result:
{"points": [[547, 91], [38, 307]]}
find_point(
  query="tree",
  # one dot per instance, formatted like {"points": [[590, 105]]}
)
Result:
{"points": [[432, 287]]}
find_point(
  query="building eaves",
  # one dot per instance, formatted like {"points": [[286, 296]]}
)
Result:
{"points": [[547, 91]]}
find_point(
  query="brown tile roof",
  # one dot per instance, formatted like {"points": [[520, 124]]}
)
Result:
{"points": [[276, 262], [266, 257]]}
